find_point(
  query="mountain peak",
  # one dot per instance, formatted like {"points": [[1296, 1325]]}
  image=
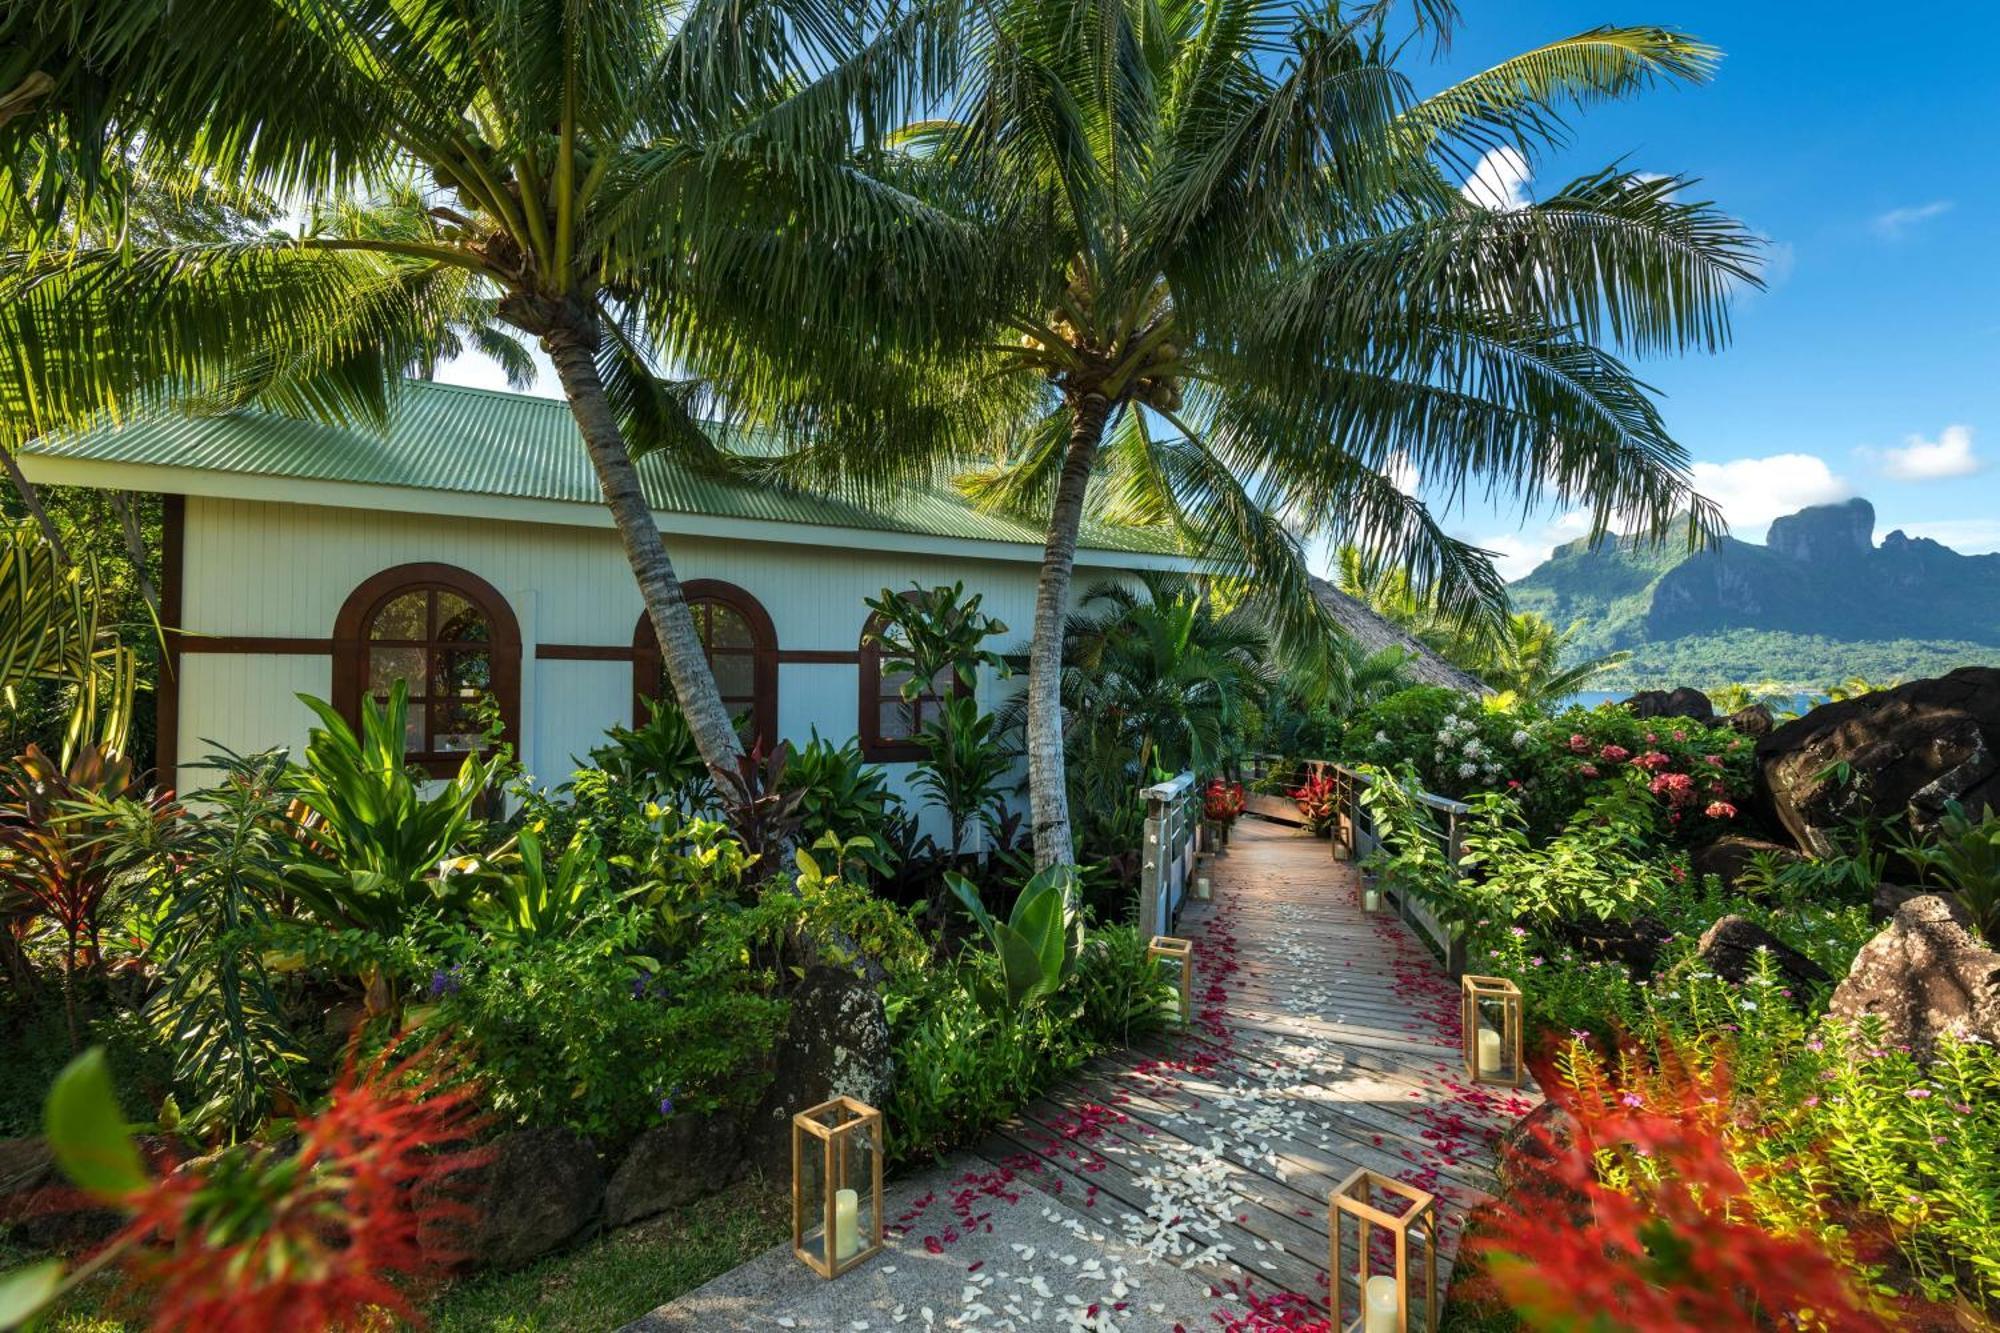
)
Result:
{"points": [[1825, 534]]}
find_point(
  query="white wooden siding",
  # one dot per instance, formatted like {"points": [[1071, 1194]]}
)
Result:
{"points": [[259, 568]]}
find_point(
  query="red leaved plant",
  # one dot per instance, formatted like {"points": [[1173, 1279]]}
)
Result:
{"points": [[321, 1234], [1317, 800], [1632, 1216]]}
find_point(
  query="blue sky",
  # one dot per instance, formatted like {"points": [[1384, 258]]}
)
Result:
{"points": [[1864, 151]]}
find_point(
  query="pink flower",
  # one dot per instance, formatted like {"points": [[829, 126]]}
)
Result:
{"points": [[1632, 1099], [1616, 754], [1680, 735], [1677, 788], [1652, 739], [1653, 761], [1588, 770], [1578, 742], [1712, 760], [1720, 810]]}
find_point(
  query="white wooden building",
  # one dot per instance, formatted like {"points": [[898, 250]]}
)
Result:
{"points": [[466, 549]]}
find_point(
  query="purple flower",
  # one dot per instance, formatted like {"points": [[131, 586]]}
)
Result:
{"points": [[1917, 1094], [444, 982], [1518, 932], [666, 1106], [1579, 1034], [1815, 1045], [1810, 1102], [1633, 1099]]}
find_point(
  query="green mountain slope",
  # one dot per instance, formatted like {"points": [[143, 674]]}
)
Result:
{"points": [[1818, 602]]}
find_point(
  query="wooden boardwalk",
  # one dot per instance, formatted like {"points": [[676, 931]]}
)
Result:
{"points": [[1184, 1186], [1326, 1039]]}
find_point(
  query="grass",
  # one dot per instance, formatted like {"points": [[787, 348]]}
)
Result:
{"points": [[601, 1284]]}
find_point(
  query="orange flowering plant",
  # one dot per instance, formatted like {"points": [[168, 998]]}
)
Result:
{"points": [[258, 1240], [1634, 1215]]}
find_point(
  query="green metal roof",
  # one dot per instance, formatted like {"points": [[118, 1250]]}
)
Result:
{"points": [[449, 438]]}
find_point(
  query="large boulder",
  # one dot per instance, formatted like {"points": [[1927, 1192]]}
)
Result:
{"points": [[1904, 751], [1924, 975], [1636, 943], [1756, 720], [836, 1044], [1684, 702], [1733, 853], [687, 1158], [534, 1191], [1733, 946]]}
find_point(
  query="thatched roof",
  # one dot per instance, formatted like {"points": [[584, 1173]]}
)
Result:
{"points": [[1374, 633]]}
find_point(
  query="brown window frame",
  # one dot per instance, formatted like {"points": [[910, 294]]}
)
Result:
{"points": [[875, 747], [351, 646], [648, 666]]}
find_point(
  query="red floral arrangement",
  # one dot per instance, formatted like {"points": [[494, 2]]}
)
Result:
{"points": [[1222, 802], [1673, 1249], [1317, 801]]}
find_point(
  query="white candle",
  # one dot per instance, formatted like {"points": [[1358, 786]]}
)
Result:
{"points": [[1201, 888], [1379, 1302], [1489, 1051], [847, 1213], [1371, 900]]}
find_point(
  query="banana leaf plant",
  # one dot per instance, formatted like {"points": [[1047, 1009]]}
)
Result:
{"points": [[523, 900], [1037, 946]]}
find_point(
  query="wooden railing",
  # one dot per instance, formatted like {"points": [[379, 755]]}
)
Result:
{"points": [[1355, 838], [1354, 833], [1173, 817]]}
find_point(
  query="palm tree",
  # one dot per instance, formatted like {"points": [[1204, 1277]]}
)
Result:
{"points": [[1239, 283], [1528, 660], [594, 173]]}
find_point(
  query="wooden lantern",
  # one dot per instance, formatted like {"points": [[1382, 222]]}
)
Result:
{"points": [[1382, 1301], [1180, 954], [1490, 1023], [836, 1185]]}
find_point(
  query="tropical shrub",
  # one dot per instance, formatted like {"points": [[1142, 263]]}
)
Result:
{"points": [[1222, 802], [377, 837], [1035, 949], [1962, 856], [842, 796], [1318, 801], [965, 768], [55, 857], [1455, 745], [658, 759]]}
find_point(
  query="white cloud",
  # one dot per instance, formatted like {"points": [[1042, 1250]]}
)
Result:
{"points": [[1753, 491], [1892, 225], [1967, 536], [1516, 554], [1500, 180], [1919, 459]]}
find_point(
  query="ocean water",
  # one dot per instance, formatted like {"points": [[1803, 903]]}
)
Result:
{"points": [[1801, 703]]}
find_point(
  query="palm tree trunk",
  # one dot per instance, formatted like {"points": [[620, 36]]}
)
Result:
{"points": [[1048, 792], [680, 646], [31, 499]]}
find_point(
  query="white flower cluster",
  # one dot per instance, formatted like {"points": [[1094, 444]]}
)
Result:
{"points": [[1458, 738]]}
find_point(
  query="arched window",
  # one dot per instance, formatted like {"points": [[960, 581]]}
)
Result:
{"points": [[889, 722], [451, 637], [741, 645]]}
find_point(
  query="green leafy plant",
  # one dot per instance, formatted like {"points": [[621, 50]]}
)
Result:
{"points": [[1036, 947], [965, 768], [926, 632], [842, 796], [379, 837], [1962, 854], [659, 758], [521, 897]]}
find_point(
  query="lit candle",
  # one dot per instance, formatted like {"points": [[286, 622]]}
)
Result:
{"points": [[846, 1215], [1489, 1051], [1379, 1298]]}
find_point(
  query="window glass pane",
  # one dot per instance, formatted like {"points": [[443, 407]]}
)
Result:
{"points": [[413, 729], [386, 666], [896, 722], [893, 682], [457, 730], [459, 621], [727, 628], [402, 617], [735, 675], [943, 683], [464, 675]]}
